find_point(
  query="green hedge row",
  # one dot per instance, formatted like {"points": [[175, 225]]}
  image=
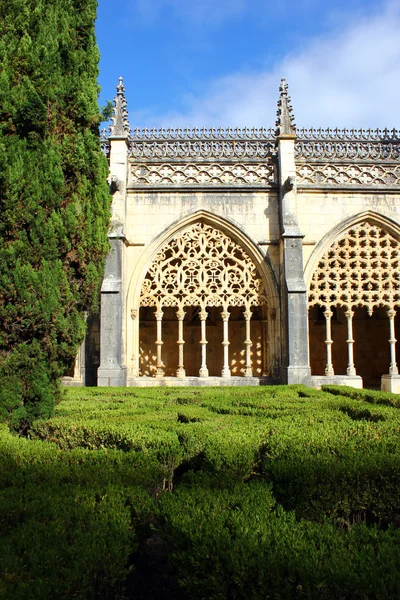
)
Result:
{"points": [[238, 543]]}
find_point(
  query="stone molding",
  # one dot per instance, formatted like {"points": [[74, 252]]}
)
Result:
{"points": [[316, 175], [202, 175]]}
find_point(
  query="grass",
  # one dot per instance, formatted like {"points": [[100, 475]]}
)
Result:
{"points": [[270, 492]]}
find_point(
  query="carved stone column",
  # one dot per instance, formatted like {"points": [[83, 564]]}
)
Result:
{"points": [[328, 341], [181, 370], [393, 370], [391, 382], [248, 370], [203, 342], [350, 341], [226, 372], [160, 371]]}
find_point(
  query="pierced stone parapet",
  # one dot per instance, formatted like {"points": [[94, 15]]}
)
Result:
{"points": [[212, 133], [202, 149], [343, 151], [351, 135], [205, 174]]}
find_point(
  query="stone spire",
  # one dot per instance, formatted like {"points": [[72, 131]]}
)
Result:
{"points": [[285, 122], [120, 124]]}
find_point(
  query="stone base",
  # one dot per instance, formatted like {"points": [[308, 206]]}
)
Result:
{"points": [[72, 381], [296, 375], [199, 381], [115, 377], [354, 381], [390, 383]]}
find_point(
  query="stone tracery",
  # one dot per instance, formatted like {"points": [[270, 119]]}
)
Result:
{"points": [[361, 269], [202, 266]]}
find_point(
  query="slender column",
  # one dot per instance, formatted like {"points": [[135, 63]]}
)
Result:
{"points": [[248, 371], [203, 342], [181, 371], [329, 366], [264, 324], [226, 372], [160, 371], [350, 341], [393, 370]]}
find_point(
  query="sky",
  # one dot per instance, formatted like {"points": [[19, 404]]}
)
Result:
{"points": [[203, 63]]}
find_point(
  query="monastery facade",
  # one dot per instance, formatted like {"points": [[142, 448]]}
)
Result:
{"points": [[248, 257]]}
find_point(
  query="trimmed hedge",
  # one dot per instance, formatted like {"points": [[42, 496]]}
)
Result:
{"points": [[280, 492]]}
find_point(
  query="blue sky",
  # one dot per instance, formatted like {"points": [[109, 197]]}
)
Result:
{"points": [[219, 62]]}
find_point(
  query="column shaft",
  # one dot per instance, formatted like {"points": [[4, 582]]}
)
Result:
{"points": [[181, 370], [248, 371], [393, 370], [160, 370], [203, 342], [226, 372], [329, 366], [350, 341]]}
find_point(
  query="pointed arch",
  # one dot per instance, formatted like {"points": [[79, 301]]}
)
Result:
{"points": [[245, 247], [336, 232], [227, 226]]}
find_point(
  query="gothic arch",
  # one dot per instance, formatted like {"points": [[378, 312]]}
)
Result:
{"points": [[230, 228], [354, 282], [335, 233], [245, 277]]}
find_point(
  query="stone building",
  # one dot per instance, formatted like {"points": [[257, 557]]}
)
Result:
{"points": [[249, 256]]}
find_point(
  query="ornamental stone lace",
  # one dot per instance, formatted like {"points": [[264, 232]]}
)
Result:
{"points": [[359, 269], [203, 267]]}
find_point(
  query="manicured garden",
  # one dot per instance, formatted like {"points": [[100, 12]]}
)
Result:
{"points": [[229, 493]]}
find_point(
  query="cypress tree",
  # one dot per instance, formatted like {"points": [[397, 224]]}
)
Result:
{"points": [[54, 199]]}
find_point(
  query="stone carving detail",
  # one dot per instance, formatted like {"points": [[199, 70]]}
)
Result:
{"points": [[359, 269], [204, 174], [203, 133], [202, 267], [369, 135], [348, 174], [202, 149], [285, 124], [120, 124], [317, 150]]}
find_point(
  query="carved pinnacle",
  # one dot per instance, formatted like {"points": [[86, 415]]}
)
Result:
{"points": [[285, 122], [120, 123]]}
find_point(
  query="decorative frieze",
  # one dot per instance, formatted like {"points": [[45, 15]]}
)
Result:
{"points": [[337, 150], [336, 174], [204, 174], [202, 149]]}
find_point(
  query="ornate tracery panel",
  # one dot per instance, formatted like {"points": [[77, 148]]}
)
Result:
{"points": [[359, 269], [203, 267]]}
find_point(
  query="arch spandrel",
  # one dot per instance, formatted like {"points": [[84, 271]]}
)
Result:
{"points": [[202, 266]]}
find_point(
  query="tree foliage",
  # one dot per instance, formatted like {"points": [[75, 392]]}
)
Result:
{"points": [[54, 199]]}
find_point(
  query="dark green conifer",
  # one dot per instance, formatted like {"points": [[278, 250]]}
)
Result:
{"points": [[54, 200]]}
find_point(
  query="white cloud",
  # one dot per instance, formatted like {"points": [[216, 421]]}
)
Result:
{"points": [[348, 79]]}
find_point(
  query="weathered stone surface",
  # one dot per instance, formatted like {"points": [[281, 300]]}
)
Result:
{"points": [[288, 199]]}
